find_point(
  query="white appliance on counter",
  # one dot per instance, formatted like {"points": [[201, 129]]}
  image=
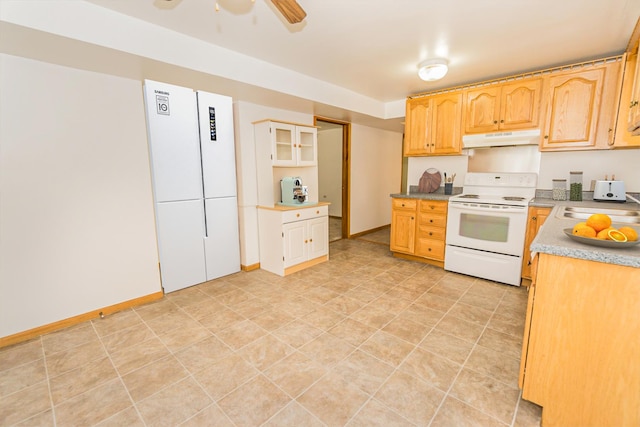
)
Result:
{"points": [[191, 143], [486, 225]]}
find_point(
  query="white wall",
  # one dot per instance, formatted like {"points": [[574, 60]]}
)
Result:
{"points": [[330, 169], [76, 209], [625, 164], [376, 162]]}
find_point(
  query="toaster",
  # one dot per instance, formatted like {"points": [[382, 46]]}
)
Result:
{"points": [[610, 191]]}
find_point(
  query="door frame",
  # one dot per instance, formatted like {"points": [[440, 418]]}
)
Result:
{"points": [[346, 170]]}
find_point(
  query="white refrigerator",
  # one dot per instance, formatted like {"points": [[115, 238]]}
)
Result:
{"points": [[191, 144]]}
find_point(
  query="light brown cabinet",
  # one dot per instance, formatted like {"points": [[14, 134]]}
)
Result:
{"points": [[628, 125], [633, 116], [433, 125], [403, 225], [581, 347], [418, 229], [509, 106], [579, 109], [537, 217]]}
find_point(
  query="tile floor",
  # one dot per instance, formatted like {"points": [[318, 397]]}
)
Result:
{"points": [[362, 340]]}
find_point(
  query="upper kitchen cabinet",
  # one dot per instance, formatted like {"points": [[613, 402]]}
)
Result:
{"points": [[510, 106], [433, 125], [628, 125], [580, 106], [293, 145]]}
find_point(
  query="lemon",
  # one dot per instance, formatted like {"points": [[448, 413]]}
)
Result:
{"points": [[617, 236], [599, 221], [631, 233]]}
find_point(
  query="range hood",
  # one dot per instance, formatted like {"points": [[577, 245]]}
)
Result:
{"points": [[502, 139]]}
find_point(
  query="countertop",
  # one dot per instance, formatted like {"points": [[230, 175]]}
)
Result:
{"points": [[552, 240]]}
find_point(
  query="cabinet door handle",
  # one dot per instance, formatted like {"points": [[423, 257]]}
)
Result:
{"points": [[430, 220], [412, 218], [546, 137], [430, 234], [403, 205], [305, 241], [310, 240], [495, 122], [534, 218], [633, 104], [502, 121]]}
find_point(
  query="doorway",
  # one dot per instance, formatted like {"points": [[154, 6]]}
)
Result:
{"points": [[334, 149]]}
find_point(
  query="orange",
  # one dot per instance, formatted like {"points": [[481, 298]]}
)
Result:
{"points": [[584, 231], [617, 236], [631, 233], [604, 234], [599, 221]]}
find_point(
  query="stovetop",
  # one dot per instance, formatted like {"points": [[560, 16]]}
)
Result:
{"points": [[515, 189]]}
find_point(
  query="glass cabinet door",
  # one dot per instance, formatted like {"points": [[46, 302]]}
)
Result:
{"points": [[307, 145], [284, 144]]}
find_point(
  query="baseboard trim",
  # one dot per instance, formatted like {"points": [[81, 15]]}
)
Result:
{"points": [[71, 321], [251, 267], [373, 230], [419, 259], [306, 264]]}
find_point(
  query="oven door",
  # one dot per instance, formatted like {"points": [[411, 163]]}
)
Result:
{"points": [[491, 228]]}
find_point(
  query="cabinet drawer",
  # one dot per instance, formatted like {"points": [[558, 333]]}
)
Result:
{"points": [[409, 204], [433, 220], [306, 213], [433, 206], [430, 248], [429, 232]]}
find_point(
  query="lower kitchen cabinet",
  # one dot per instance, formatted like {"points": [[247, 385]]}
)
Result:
{"points": [[418, 229], [581, 348], [537, 217], [292, 239]]}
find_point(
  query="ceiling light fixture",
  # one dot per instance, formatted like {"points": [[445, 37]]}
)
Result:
{"points": [[433, 69]]}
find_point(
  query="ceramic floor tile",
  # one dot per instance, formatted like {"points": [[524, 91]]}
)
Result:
{"points": [[333, 400], [508, 344], [364, 371], [225, 375], [81, 379], [139, 355], [486, 394], [174, 404], [22, 376], [293, 415], [308, 349], [115, 322], [494, 364], [66, 360], [254, 402], [410, 397], [375, 414], [435, 370], [265, 352], [387, 348], [68, 338], [352, 331], [93, 406], [152, 378], [19, 354], [456, 413], [295, 373], [25, 403], [203, 354], [447, 346], [129, 418]]}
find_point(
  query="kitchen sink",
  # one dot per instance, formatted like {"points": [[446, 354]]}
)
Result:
{"points": [[617, 215]]}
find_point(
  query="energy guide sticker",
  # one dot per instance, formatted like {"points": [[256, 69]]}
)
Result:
{"points": [[162, 105]]}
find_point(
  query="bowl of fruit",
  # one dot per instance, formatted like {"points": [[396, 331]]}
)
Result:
{"points": [[598, 230]]}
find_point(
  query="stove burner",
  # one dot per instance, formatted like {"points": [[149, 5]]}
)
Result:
{"points": [[514, 198]]}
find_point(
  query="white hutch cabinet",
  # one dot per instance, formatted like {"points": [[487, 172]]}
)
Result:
{"points": [[292, 238]]}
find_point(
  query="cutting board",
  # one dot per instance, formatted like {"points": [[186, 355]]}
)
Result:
{"points": [[430, 181]]}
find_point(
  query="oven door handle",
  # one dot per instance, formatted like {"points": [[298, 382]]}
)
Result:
{"points": [[508, 209]]}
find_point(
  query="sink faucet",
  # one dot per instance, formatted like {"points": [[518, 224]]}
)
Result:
{"points": [[632, 198]]}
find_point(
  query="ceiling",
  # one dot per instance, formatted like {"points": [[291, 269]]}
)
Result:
{"points": [[370, 48]]}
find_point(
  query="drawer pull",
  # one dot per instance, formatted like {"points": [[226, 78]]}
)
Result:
{"points": [[305, 241], [297, 215], [317, 212]]}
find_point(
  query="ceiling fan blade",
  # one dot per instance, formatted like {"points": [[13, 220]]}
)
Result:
{"points": [[291, 10]]}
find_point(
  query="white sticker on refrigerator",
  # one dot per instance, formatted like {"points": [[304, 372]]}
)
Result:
{"points": [[162, 105]]}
